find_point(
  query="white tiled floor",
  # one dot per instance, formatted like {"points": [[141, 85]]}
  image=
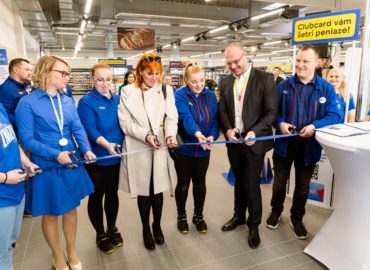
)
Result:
{"points": [[215, 250]]}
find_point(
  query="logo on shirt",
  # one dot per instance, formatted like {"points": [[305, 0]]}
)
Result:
{"points": [[21, 93], [285, 92], [101, 108], [7, 135], [322, 100], [191, 104]]}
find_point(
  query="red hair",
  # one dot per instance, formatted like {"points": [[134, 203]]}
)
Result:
{"points": [[142, 64]]}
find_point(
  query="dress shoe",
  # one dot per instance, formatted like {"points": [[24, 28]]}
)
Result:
{"points": [[77, 266], [234, 222], [158, 235], [254, 238], [148, 240], [54, 267]]}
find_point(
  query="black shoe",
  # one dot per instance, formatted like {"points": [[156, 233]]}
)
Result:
{"points": [[27, 214], [200, 224], [234, 222], [104, 243], [254, 238], [158, 235], [299, 229], [182, 224], [148, 240], [13, 245], [115, 237], [272, 221]]}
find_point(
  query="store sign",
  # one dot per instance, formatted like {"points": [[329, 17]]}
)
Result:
{"points": [[113, 62], [327, 27]]}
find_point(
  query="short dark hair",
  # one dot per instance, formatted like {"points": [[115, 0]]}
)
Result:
{"points": [[16, 62], [277, 68], [315, 49]]}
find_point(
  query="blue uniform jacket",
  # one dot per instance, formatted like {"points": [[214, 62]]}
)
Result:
{"points": [[99, 116], [10, 195], [11, 91], [351, 106], [196, 114], [38, 127], [324, 109]]}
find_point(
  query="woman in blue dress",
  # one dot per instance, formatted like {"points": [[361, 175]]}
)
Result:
{"points": [[337, 79], [12, 159], [98, 113], [48, 124]]}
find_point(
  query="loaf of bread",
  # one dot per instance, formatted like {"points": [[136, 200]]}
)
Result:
{"points": [[135, 38]]}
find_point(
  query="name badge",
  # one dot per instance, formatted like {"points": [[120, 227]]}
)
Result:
{"points": [[21, 93], [101, 108]]}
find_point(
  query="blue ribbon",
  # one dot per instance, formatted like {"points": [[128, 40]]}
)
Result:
{"points": [[84, 161]]}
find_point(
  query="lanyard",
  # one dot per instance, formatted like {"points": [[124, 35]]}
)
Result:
{"points": [[61, 119], [239, 92]]}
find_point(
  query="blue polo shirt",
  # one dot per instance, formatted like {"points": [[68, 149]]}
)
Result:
{"points": [[10, 195], [11, 91], [99, 116], [304, 92]]}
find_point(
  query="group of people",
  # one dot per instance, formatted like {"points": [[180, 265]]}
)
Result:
{"points": [[149, 118]]}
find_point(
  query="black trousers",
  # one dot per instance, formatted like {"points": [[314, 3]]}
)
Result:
{"points": [[303, 174], [187, 169], [105, 179], [247, 167]]}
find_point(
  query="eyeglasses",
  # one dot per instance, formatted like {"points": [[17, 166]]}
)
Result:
{"points": [[150, 59], [102, 80], [64, 73], [236, 62]]}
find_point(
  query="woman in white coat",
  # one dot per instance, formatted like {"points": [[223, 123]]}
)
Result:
{"points": [[148, 117]]}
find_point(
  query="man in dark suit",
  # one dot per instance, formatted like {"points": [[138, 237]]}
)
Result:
{"points": [[248, 107], [276, 72]]}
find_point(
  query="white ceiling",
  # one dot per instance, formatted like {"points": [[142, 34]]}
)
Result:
{"points": [[56, 23]]}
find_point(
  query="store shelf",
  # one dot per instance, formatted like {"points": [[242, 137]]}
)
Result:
{"points": [[80, 81]]}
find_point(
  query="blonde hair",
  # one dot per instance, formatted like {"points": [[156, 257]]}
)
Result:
{"points": [[191, 69], [99, 66], [342, 88], [42, 69]]}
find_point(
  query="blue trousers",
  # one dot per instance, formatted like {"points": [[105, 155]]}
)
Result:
{"points": [[10, 227]]}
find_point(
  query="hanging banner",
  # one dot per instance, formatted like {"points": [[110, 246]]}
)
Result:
{"points": [[135, 38], [326, 27]]}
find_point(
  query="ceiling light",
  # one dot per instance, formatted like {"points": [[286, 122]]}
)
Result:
{"points": [[267, 14], [218, 29], [188, 39], [265, 54], [260, 60], [351, 42], [83, 25], [253, 49], [160, 24], [271, 43], [188, 25], [135, 22], [274, 6], [166, 46], [88, 6], [281, 51]]}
